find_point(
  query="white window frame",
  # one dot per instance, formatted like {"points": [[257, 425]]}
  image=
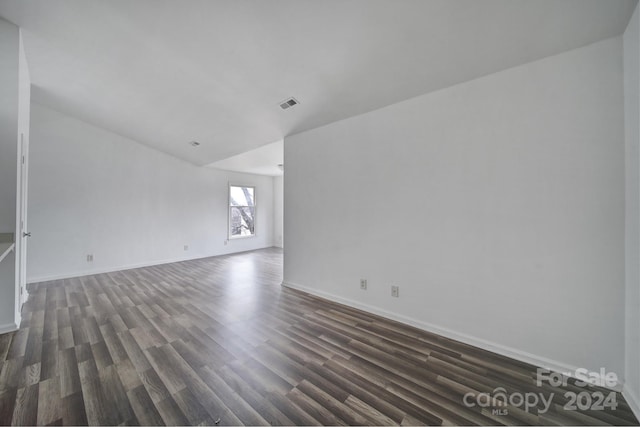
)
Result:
{"points": [[255, 212]]}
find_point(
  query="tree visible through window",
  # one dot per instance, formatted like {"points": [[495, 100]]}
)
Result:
{"points": [[242, 211]]}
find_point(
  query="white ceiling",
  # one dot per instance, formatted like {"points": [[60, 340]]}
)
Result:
{"points": [[166, 72], [261, 161]]}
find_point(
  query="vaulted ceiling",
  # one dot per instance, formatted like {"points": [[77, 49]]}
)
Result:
{"points": [[167, 72]]}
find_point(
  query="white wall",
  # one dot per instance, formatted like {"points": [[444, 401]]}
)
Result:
{"points": [[9, 43], [632, 213], [9, 48], [278, 211], [94, 192], [496, 205]]}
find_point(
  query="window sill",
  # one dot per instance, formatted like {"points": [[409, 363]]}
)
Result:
{"points": [[240, 237]]}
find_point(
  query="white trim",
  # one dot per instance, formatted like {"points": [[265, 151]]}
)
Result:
{"points": [[17, 318], [8, 327], [503, 350], [39, 279], [632, 400]]}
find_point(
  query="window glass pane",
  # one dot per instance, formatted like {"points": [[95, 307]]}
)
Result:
{"points": [[241, 196], [242, 221]]}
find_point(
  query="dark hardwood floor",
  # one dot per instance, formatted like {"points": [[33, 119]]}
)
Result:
{"points": [[218, 340]]}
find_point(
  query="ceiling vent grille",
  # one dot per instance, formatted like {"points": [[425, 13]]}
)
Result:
{"points": [[289, 103]]}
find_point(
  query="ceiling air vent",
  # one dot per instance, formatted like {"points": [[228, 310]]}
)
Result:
{"points": [[289, 103]]}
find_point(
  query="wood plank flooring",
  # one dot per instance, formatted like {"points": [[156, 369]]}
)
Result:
{"points": [[218, 340]]}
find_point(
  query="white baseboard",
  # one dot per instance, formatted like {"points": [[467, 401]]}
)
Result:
{"points": [[514, 353], [633, 400], [8, 327], [61, 276]]}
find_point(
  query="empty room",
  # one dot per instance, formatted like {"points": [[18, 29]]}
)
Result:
{"points": [[319, 212]]}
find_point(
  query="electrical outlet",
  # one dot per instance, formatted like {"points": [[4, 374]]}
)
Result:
{"points": [[395, 291], [90, 258], [363, 284], [186, 247]]}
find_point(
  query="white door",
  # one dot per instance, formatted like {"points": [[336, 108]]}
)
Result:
{"points": [[24, 234]]}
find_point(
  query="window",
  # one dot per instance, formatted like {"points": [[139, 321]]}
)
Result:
{"points": [[242, 211]]}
